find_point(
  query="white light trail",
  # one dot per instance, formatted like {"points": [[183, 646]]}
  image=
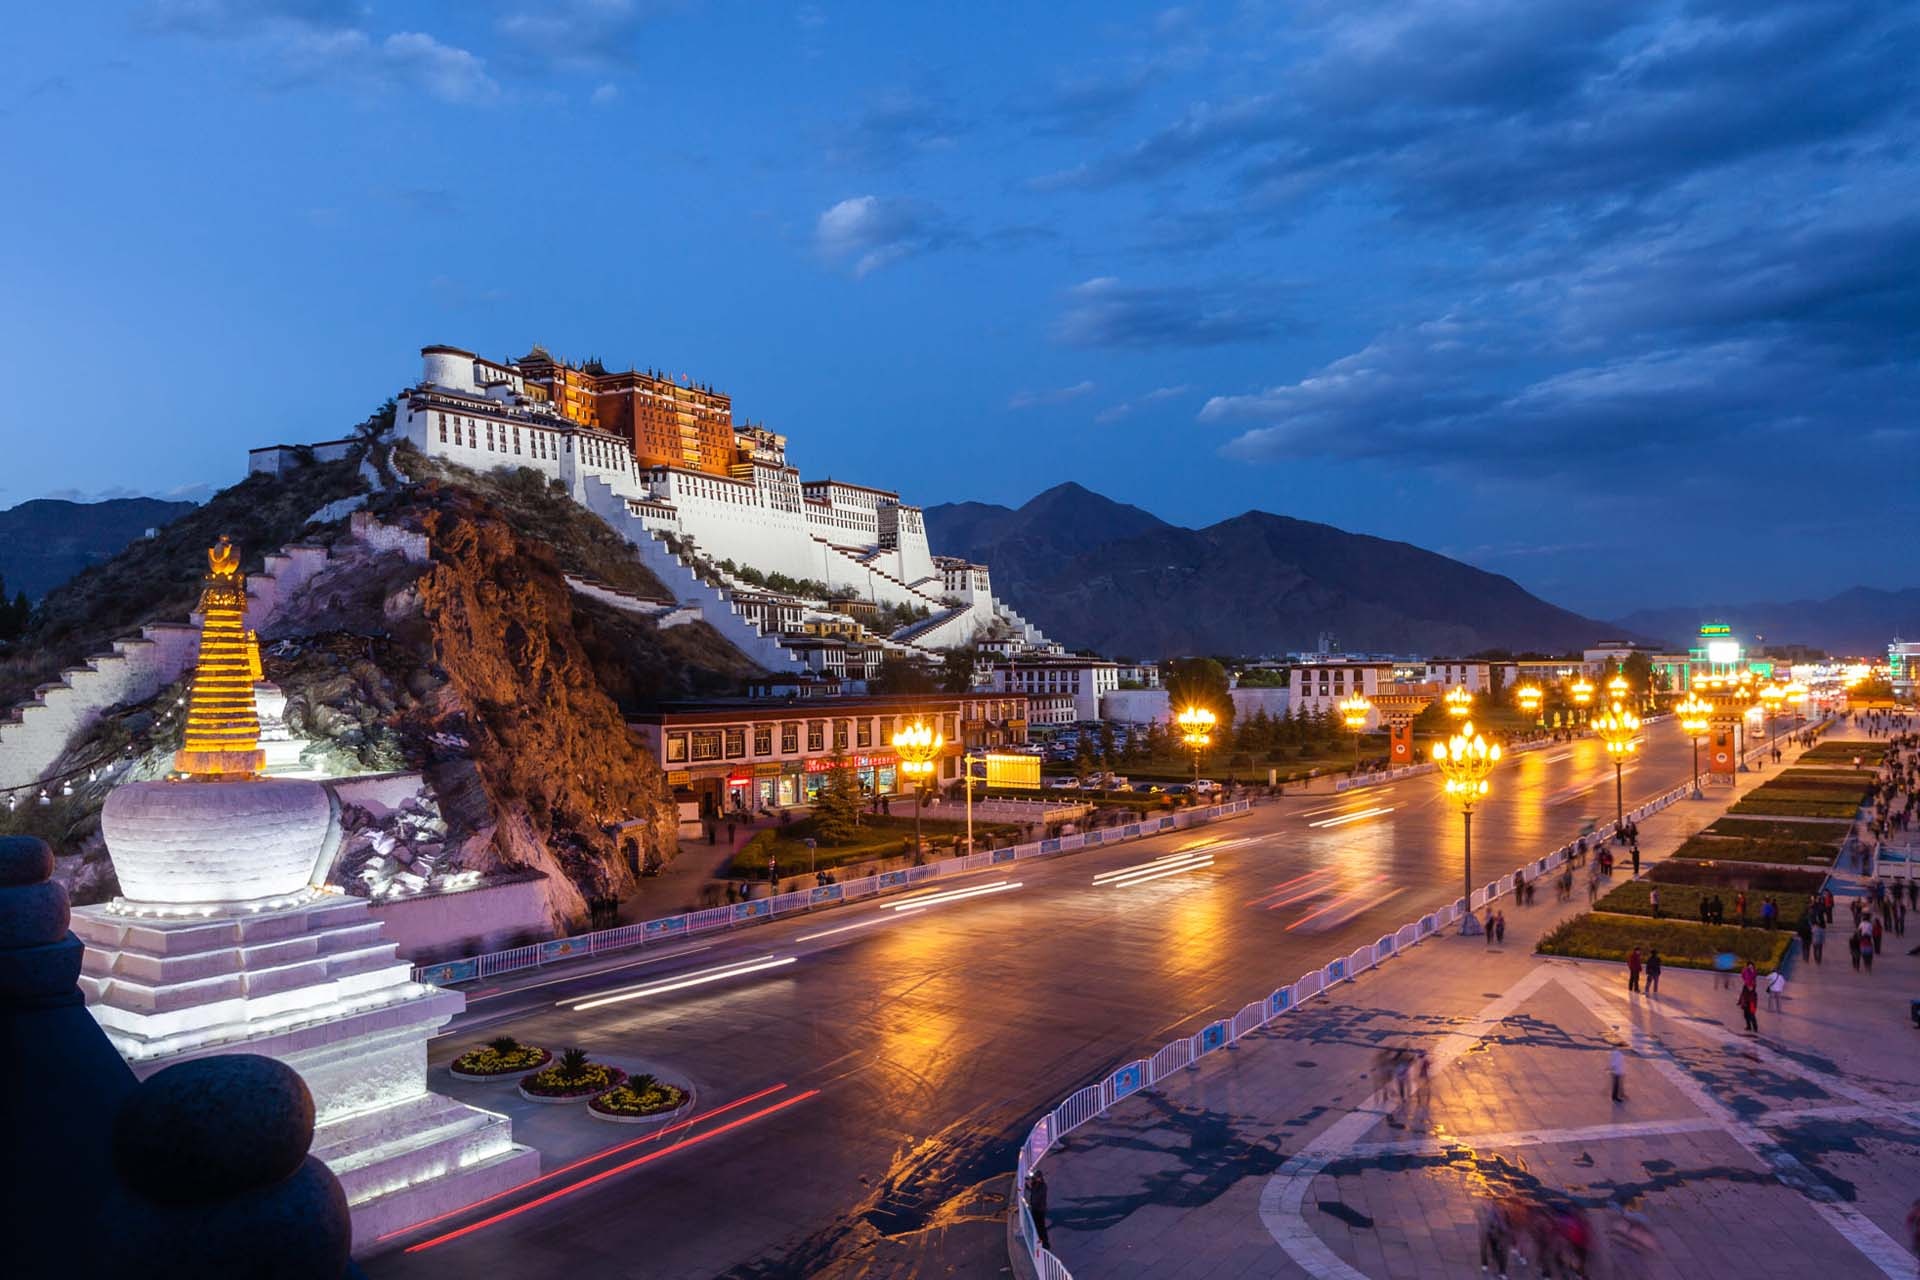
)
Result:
{"points": [[847, 928], [678, 984], [955, 895], [1345, 818], [1159, 874], [1158, 864]]}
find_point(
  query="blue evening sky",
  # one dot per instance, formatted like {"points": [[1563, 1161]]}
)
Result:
{"points": [[1618, 298]]}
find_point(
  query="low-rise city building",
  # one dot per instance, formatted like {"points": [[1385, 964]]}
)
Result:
{"points": [[1085, 680], [1318, 688]]}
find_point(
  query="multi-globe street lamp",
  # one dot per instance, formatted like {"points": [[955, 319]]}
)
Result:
{"points": [[1619, 728], [1353, 714], [1771, 695], [918, 746], [1695, 717], [1459, 702], [1529, 698], [1464, 761], [1582, 694], [1196, 730]]}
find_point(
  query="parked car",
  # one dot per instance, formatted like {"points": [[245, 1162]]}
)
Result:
{"points": [[1206, 786], [1064, 784]]}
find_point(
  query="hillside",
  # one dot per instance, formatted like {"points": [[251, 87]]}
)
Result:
{"points": [[48, 540], [1857, 621], [474, 663], [1093, 572]]}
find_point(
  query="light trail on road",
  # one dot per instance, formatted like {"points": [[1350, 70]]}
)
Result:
{"points": [[953, 895], [1356, 816], [1159, 869], [581, 1005]]}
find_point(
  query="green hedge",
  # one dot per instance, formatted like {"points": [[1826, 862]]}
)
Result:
{"points": [[1810, 793], [1720, 875], [1861, 778], [1682, 902], [1843, 752], [1682, 944]]}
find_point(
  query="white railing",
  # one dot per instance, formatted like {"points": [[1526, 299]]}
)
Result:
{"points": [[758, 910], [1184, 1054]]}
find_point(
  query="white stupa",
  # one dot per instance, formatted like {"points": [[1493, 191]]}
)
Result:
{"points": [[223, 944]]}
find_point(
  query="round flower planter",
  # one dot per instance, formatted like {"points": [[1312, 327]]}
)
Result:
{"points": [[546, 1060], [656, 1118], [619, 1078]]}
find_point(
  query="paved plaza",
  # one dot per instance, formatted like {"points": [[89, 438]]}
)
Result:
{"points": [[1790, 1152]]}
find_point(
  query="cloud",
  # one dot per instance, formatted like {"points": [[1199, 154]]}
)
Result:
{"points": [[220, 19], [448, 73], [1102, 312], [196, 492], [1049, 398], [865, 233], [605, 96], [579, 35], [895, 126], [1115, 412]]}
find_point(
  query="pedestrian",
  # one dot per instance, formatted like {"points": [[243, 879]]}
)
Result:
{"points": [[1748, 1001], [730, 830], [1866, 951], [1653, 972], [1037, 1206], [1776, 987], [1617, 1068], [1769, 911], [1819, 942], [1500, 928], [1490, 926], [1879, 936], [1593, 885], [1806, 938], [1740, 907], [1496, 1240], [1853, 948], [1706, 909], [1750, 977], [1634, 849], [1653, 900], [1633, 969]]}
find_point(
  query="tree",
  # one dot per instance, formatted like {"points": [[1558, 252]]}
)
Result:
{"points": [[1201, 682], [956, 669], [903, 675], [836, 806], [14, 616]]}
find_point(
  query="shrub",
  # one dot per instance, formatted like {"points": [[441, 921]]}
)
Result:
{"points": [[643, 1095], [1759, 804], [501, 1056], [1775, 879], [574, 1075], [1682, 902], [1681, 944], [1761, 829]]}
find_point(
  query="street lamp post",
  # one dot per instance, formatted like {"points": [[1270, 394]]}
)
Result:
{"points": [[1458, 702], [1582, 694], [918, 746], [1529, 697], [1464, 761], [1696, 718], [1353, 714], [1771, 696], [1196, 730], [1619, 728]]}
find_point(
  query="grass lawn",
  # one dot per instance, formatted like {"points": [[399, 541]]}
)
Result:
{"points": [[1861, 778], [1793, 853], [1682, 902], [1687, 945], [1801, 789], [1719, 875], [877, 838], [1762, 829], [1760, 804]]}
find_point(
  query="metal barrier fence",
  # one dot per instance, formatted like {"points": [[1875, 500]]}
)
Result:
{"points": [[756, 910], [1184, 1054]]}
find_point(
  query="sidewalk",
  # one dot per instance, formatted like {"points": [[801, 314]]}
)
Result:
{"points": [[1748, 1156]]}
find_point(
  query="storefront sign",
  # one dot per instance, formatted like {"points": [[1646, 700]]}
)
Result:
{"points": [[679, 778]]}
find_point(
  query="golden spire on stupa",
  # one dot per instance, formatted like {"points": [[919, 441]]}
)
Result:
{"points": [[223, 730]]}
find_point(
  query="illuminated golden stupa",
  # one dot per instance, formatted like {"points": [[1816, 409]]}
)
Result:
{"points": [[223, 729]]}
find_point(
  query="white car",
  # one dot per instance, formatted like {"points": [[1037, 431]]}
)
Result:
{"points": [[1064, 784], [1205, 786]]}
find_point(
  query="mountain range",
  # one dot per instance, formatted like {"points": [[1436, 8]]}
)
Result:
{"points": [[46, 541], [1857, 621], [1101, 574]]}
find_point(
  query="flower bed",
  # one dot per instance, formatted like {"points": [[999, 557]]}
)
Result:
{"points": [[571, 1077], [640, 1099], [500, 1058], [1760, 804], [1761, 829], [1604, 936], [1791, 853], [1682, 902]]}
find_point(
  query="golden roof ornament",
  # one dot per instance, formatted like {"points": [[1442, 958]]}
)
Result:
{"points": [[223, 729]]}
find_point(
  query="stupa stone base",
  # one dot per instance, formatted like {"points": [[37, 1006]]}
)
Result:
{"points": [[314, 985]]}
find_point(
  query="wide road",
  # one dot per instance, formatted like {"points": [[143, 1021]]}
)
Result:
{"points": [[935, 1037]]}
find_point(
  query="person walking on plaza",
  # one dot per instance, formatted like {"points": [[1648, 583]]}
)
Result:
{"points": [[1748, 1002], [1819, 941], [1806, 938], [1866, 950], [1037, 1206], [1776, 987], [1489, 926], [1500, 928], [1617, 1068], [1634, 849], [1879, 936], [1853, 948], [1740, 907], [1653, 972], [1633, 969], [1653, 900]]}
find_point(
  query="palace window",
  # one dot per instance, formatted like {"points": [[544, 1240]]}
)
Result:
{"points": [[839, 735], [789, 739], [816, 735], [706, 744], [676, 748], [736, 743], [443, 428], [763, 739], [863, 732]]}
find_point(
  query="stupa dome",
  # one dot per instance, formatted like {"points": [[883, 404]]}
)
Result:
{"points": [[177, 843]]}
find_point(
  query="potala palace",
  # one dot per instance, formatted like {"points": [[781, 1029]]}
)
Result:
{"points": [[663, 461]]}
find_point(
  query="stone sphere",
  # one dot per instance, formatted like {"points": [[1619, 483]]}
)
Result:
{"points": [[211, 842], [209, 1128], [24, 860]]}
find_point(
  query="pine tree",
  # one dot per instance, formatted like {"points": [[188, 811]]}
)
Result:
{"points": [[836, 807]]}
